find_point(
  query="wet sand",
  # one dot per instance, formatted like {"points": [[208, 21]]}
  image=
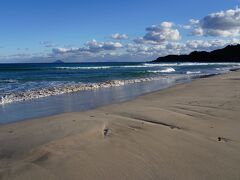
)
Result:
{"points": [[189, 131]]}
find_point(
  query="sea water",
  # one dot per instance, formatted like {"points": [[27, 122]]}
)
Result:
{"points": [[27, 89]]}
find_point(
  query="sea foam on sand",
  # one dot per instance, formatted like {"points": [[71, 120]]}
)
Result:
{"points": [[70, 88]]}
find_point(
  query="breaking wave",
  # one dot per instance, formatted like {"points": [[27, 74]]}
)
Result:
{"points": [[167, 70], [8, 81], [51, 91], [145, 65], [193, 72], [93, 67], [187, 64]]}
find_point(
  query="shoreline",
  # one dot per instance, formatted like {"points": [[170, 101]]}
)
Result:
{"points": [[196, 78], [83, 100], [32, 92], [19, 110], [54, 91], [188, 131]]}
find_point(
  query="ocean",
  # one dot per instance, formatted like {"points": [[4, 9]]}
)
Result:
{"points": [[22, 85]]}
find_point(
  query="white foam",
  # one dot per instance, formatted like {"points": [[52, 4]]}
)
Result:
{"points": [[133, 66], [167, 70], [206, 64], [193, 72], [90, 67], [9, 81], [45, 92], [187, 64], [159, 64], [147, 65]]}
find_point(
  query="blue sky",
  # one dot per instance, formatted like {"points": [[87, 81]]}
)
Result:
{"points": [[75, 30]]}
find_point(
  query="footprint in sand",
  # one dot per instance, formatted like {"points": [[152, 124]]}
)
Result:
{"points": [[106, 131], [222, 139]]}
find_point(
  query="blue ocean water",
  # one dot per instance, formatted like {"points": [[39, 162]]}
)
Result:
{"points": [[21, 82], [29, 91]]}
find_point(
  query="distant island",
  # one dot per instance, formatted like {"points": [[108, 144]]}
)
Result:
{"points": [[58, 61], [230, 53]]}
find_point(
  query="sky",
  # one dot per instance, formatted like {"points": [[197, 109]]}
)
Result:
{"points": [[113, 30]]}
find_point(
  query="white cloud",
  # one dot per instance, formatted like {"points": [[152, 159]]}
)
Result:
{"points": [[194, 21], [209, 44], [158, 34], [220, 24], [47, 44], [156, 50], [94, 50], [197, 32], [224, 23], [138, 49], [192, 24], [119, 36], [178, 47], [186, 27], [61, 50], [92, 47]]}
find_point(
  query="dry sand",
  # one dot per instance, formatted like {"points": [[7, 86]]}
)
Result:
{"points": [[190, 131]]}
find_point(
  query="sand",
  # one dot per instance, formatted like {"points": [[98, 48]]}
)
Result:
{"points": [[189, 131]]}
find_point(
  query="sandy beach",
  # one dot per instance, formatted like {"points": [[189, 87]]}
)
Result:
{"points": [[189, 131]]}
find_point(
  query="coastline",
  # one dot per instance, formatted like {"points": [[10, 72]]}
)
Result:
{"points": [[81, 101], [188, 131]]}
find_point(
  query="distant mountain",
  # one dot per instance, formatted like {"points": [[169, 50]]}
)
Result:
{"points": [[230, 53], [58, 61]]}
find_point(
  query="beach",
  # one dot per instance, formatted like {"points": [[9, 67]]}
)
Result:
{"points": [[189, 131]]}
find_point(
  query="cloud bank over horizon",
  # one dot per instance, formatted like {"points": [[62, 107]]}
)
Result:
{"points": [[213, 31]]}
